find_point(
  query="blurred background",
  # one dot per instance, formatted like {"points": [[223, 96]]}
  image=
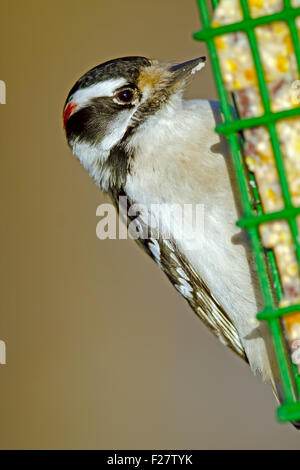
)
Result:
{"points": [[102, 352]]}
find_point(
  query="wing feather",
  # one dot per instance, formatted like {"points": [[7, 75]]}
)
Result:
{"points": [[186, 280], [194, 290]]}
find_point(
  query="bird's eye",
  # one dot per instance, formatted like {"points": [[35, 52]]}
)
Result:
{"points": [[124, 96]]}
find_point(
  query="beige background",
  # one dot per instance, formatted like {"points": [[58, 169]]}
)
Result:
{"points": [[101, 351]]}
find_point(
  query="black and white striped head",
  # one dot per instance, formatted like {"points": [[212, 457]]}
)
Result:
{"points": [[108, 104]]}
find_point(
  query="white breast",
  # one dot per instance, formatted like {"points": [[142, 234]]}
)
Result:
{"points": [[181, 160]]}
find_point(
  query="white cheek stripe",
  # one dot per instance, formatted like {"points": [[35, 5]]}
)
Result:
{"points": [[106, 88]]}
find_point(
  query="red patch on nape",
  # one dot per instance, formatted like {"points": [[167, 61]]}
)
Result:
{"points": [[68, 111]]}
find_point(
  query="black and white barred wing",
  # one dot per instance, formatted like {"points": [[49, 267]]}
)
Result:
{"points": [[187, 282], [193, 289]]}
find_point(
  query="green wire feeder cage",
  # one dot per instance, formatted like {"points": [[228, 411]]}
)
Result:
{"points": [[276, 312]]}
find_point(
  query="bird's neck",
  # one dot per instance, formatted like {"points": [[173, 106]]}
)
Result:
{"points": [[178, 157]]}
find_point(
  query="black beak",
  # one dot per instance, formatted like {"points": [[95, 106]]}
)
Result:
{"points": [[185, 69]]}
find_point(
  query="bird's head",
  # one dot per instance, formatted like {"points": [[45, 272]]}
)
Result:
{"points": [[108, 104]]}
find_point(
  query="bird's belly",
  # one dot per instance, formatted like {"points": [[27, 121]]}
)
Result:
{"points": [[226, 267]]}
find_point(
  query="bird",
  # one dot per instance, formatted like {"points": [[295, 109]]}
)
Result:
{"points": [[128, 123]]}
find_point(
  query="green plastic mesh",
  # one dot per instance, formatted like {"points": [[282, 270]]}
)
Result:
{"points": [[253, 214]]}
